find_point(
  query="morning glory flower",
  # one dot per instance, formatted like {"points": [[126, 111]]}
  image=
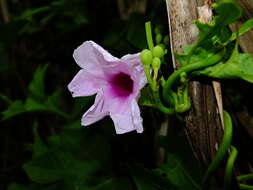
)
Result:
{"points": [[116, 83]]}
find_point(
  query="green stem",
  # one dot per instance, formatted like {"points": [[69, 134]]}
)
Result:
{"points": [[229, 168], [149, 35], [160, 105], [188, 68], [245, 177], [246, 187], [148, 75], [224, 146]]}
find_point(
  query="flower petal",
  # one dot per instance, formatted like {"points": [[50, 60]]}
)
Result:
{"points": [[96, 112], [83, 84], [129, 121], [138, 70], [92, 57], [136, 115]]}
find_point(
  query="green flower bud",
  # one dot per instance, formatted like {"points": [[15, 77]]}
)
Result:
{"points": [[158, 51], [157, 30], [158, 38], [162, 46], [146, 57], [166, 40], [156, 63]]}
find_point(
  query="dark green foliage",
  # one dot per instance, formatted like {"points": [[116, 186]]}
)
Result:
{"points": [[73, 158], [215, 37], [37, 101], [238, 66], [42, 120]]}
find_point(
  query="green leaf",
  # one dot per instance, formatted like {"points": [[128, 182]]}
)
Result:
{"points": [[5, 98], [52, 104], [228, 11], [149, 180], [29, 13], [74, 125], [176, 173], [239, 66], [181, 168], [114, 184], [200, 54], [34, 105], [58, 165], [14, 109], [15, 186], [248, 25], [38, 146], [36, 186], [80, 106], [71, 161], [212, 36], [36, 86]]}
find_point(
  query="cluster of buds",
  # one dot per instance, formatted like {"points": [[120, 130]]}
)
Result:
{"points": [[153, 57]]}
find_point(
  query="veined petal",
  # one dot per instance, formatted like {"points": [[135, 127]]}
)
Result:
{"points": [[96, 112], [92, 57], [83, 84], [129, 121]]}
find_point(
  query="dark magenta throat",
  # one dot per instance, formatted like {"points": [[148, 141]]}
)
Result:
{"points": [[122, 85]]}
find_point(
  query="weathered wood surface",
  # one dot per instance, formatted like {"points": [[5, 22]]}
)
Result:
{"points": [[203, 125], [245, 41], [246, 44]]}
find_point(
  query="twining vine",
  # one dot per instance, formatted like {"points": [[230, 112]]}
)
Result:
{"points": [[215, 54]]}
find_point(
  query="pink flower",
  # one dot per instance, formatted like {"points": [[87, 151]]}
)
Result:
{"points": [[117, 83]]}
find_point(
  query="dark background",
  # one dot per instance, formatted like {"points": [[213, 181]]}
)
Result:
{"points": [[43, 146]]}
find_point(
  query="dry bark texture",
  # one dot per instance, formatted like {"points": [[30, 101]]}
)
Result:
{"points": [[246, 44], [246, 41], [203, 125]]}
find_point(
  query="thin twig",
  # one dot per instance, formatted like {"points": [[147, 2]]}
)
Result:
{"points": [[5, 11]]}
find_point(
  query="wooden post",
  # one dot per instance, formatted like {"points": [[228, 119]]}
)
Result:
{"points": [[203, 122], [245, 41], [203, 125]]}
